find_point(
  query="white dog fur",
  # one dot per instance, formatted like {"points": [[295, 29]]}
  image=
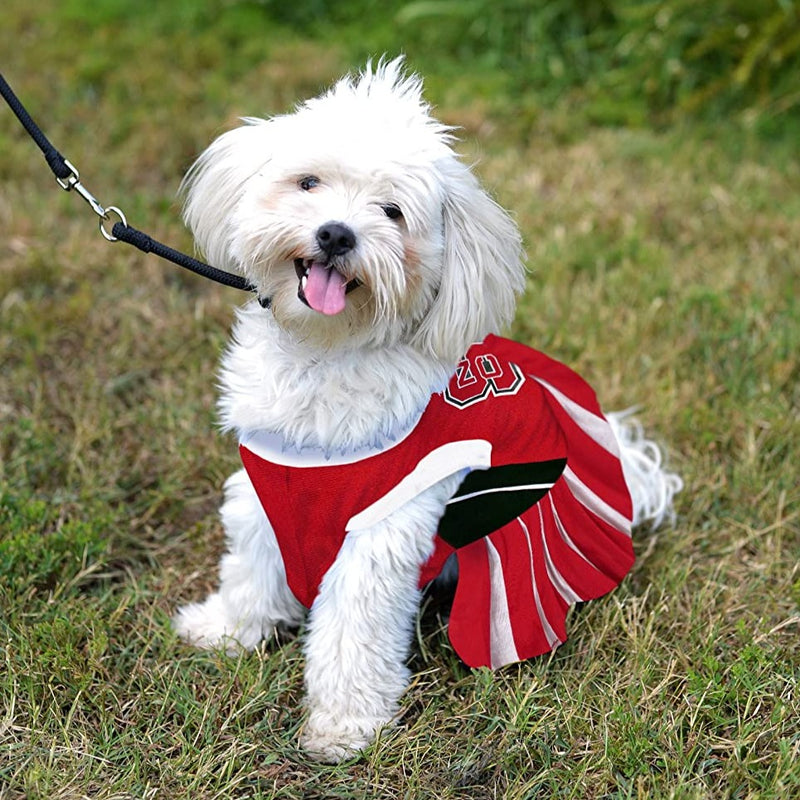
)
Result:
{"points": [[433, 279]]}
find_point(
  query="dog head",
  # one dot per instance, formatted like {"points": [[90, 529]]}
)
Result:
{"points": [[358, 221]]}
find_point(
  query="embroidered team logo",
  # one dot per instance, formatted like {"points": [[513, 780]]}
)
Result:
{"points": [[480, 376]]}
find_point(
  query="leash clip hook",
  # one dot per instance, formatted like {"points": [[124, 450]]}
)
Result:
{"points": [[73, 181]]}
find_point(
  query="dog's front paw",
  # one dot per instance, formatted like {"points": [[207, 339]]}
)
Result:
{"points": [[209, 625], [333, 740]]}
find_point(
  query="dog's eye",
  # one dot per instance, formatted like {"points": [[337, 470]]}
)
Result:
{"points": [[392, 211], [308, 183]]}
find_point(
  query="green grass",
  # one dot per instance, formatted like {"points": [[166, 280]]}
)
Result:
{"points": [[664, 266]]}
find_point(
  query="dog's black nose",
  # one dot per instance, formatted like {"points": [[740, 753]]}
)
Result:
{"points": [[335, 239]]}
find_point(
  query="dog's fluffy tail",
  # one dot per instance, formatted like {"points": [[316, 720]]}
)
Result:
{"points": [[651, 485]]}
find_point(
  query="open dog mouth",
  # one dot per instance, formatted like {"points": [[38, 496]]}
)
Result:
{"points": [[322, 287]]}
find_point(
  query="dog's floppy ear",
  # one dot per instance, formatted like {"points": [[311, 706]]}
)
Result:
{"points": [[215, 185], [482, 267]]}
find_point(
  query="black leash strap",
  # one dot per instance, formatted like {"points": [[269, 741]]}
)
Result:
{"points": [[61, 168], [68, 178], [125, 233]]}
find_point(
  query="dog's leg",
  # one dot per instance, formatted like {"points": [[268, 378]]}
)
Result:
{"points": [[253, 598], [361, 625]]}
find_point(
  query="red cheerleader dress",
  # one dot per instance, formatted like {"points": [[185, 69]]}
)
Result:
{"points": [[541, 520]]}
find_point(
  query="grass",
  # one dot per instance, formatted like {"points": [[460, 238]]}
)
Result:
{"points": [[663, 266]]}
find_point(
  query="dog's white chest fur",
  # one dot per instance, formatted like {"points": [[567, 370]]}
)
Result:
{"points": [[336, 401]]}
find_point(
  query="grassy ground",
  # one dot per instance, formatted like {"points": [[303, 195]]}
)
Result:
{"points": [[664, 267]]}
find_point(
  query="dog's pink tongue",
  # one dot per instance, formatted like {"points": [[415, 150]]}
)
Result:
{"points": [[325, 289]]}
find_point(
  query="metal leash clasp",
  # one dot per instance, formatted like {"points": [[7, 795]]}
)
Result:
{"points": [[73, 181]]}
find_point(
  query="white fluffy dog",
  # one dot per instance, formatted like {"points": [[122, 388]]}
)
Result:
{"points": [[379, 261]]}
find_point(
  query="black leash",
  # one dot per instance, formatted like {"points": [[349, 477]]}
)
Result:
{"points": [[68, 178]]}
